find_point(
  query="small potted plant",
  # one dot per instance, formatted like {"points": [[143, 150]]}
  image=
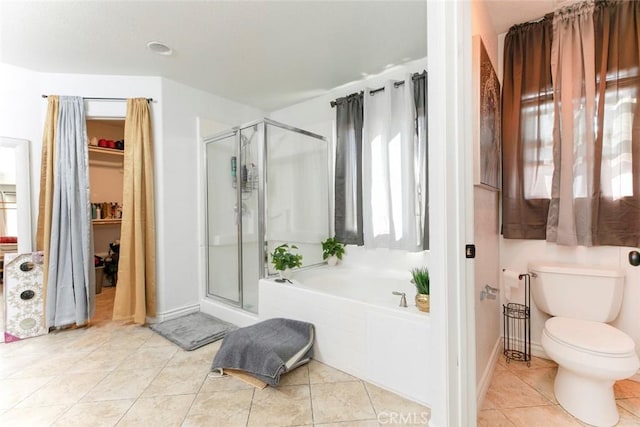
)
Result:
{"points": [[421, 281], [332, 251], [284, 260]]}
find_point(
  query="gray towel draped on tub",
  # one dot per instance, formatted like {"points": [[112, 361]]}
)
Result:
{"points": [[267, 349]]}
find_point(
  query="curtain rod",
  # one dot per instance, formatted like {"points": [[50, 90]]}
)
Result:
{"points": [[415, 76], [105, 99]]}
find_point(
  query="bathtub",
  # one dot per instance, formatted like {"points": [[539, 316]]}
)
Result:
{"points": [[360, 327]]}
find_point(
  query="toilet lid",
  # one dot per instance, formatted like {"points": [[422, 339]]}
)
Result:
{"points": [[588, 336]]}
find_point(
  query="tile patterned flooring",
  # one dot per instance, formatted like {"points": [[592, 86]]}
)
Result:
{"points": [[120, 374], [521, 396]]}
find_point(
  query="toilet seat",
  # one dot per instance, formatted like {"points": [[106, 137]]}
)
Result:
{"points": [[598, 339]]}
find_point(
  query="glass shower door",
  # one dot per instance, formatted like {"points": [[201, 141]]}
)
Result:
{"points": [[248, 179], [297, 189], [223, 251]]}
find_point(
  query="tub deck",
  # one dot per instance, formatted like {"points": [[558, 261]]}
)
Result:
{"points": [[360, 328]]}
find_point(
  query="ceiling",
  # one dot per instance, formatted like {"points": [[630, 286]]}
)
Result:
{"points": [[505, 13], [267, 54]]}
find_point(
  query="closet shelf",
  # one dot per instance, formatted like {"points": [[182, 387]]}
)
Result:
{"points": [[106, 221], [112, 151]]}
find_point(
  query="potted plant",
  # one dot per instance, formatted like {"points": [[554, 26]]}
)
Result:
{"points": [[332, 251], [421, 281], [284, 260]]}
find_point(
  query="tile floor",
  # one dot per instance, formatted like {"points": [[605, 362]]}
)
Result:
{"points": [[521, 396], [116, 374]]}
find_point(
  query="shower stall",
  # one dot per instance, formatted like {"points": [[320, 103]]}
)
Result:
{"points": [[267, 183]]}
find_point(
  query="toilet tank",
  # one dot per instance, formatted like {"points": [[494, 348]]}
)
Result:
{"points": [[577, 291]]}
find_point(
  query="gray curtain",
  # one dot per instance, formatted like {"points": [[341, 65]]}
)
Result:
{"points": [[421, 153], [71, 278], [348, 175]]}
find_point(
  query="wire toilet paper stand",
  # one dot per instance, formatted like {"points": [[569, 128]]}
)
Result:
{"points": [[517, 326]]}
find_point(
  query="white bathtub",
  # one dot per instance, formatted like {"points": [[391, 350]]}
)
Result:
{"points": [[360, 328]]}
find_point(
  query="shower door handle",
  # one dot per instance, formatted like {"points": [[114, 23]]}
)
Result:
{"points": [[266, 254]]}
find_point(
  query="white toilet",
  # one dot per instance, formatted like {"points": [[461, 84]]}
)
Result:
{"points": [[590, 354]]}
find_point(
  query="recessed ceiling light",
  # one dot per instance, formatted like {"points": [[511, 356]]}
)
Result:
{"points": [[159, 48]]}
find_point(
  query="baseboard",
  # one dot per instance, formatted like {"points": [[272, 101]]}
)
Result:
{"points": [[172, 314], [230, 314], [485, 380]]}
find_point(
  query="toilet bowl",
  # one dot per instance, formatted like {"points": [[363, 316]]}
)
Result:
{"points": [[591, 356]]}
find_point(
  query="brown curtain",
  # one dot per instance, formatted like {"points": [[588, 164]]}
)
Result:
{"points": [[526, 103], [595, 191], [617, 213], [45, 202], [136, 289]]}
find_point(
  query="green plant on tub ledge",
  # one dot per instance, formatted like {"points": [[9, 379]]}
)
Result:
{"points": [[332, 251], [284, 260], [420, 278]]}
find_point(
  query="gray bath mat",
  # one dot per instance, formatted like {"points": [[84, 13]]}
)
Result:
{"points": [[193, 330]]}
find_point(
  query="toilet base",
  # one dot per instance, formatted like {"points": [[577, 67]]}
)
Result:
{"points": [[591, 400]]}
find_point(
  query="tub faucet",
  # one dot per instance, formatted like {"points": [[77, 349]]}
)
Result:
{"points": [[403, 298]]}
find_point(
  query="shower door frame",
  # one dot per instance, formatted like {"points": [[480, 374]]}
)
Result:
{"points": [[262, 196], [236, 133]]}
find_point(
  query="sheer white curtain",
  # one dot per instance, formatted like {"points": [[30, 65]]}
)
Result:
{"points": [[391, 216]]}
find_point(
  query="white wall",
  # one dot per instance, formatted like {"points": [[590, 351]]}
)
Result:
{"points": [[486, 238], [180, 177], [20, 117]]}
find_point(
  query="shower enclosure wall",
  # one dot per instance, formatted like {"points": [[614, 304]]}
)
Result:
{"points": [[266, 184]]}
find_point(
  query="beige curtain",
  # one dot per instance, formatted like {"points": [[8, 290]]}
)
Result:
{"points": [[574, 88], [45, 203], [136, 289]]}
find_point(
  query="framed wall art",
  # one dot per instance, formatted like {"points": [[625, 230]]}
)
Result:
{"points": [[487, 119]]}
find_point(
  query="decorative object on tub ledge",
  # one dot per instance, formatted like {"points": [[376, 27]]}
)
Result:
{"points": [[421, 281], [266, 349], [332, 251], [284, 260]]}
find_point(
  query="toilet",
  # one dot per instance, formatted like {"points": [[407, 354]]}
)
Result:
{"points": [[591, 355]]}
